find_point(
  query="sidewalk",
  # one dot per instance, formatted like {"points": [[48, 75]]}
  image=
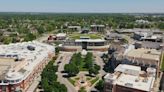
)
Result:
{"points": [[34, 85]]}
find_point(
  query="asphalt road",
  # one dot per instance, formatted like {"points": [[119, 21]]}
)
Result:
{"points": [[66, 56]]}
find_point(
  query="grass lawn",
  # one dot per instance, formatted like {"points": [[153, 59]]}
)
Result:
{"points": [[92, 36], [162, 64], [82, 90], [88, 78], [71, 81], [94, 80], [81, 66], [77, 78], [83, 69], [57, 43]]}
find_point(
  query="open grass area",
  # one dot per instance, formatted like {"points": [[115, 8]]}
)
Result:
{"points": [[82, 90], [94, 80], [88, 78], [162, 64], [71, 81], [83, 69], [57, 42], [77, 36], [81, 66], [77, 78]]}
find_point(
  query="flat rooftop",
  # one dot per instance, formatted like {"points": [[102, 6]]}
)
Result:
{"points": [[97, 25], [151, 54], [134, 70], [61, 35], [74, 26], [130, 76], [19, 59], [135, 82], [89, 40], [139, 30]]}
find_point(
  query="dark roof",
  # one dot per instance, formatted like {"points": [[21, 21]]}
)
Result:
{"points": [[114, 35], [148, 44]]}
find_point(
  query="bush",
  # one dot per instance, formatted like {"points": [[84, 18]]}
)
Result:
{"points": [[94, 80], [100, 85], [82, 90], [71, 69]]}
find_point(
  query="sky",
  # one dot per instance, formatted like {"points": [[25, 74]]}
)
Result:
{"points": [[85, 6]]}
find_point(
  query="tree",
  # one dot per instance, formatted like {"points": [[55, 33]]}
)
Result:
{"points": [[91, 71], [94, 70], [49, 79], [130, 25], [89, 60], [100, 85], [82, 90], [71, 69], [7, 40], [97, 67], [57, 50], [161, 25], [40, 30], [105, 57], [49, 27], [76, 59], [30, 37]]}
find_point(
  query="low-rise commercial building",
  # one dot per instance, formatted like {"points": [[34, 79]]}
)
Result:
{"points": [[142, 35], [74, 28], [86, 43], [21, 63], [148, 36], [128, 78], [143, 57], [97, 28], [61, 36], [114, 36], [149, 45], [132, 31]]}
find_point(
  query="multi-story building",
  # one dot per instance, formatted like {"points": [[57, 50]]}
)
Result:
{"points": [[21, 63], [114, 36], [128, 78], [61, 36], [148, 36], [74, 28], [142, 35], [86, 43], [143, 57], [97, 28], [149, 45]]}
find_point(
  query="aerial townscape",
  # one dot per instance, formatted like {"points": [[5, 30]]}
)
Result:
{"points": [[71, 51]]}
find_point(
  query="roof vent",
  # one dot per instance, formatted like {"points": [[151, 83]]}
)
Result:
{"points": [[136, 80], [129, 84], [31, 48], [148, 52]]}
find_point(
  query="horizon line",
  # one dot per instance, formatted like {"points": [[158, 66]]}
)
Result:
{"points": [[84, 12]]}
